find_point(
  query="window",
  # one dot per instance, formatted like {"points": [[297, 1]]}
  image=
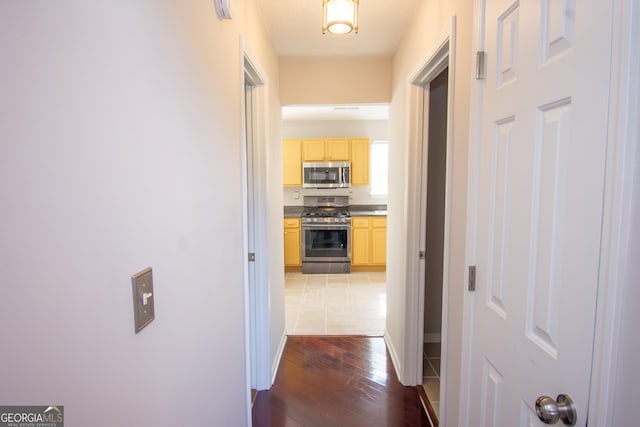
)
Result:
{"points": [[379, 168]]}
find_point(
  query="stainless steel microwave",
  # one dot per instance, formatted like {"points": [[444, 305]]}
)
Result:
{"points": [[326, 174]]}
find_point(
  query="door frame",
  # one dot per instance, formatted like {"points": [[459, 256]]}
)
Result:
{"points": [[441, 56], [618, 211], [621, 152], [256, 286], [475, 133]]}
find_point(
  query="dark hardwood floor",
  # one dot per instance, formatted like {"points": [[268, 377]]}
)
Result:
{"points": [[337, 381]]}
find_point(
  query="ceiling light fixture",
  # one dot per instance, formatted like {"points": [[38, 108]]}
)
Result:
{"points": [[340, 16]]}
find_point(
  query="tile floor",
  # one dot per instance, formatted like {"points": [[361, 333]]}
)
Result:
{"points": [[335, 304], [431, 374]]}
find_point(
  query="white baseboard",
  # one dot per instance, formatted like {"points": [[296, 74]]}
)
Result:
{"points": [[431, 337], [276, 361], [392, 352]]}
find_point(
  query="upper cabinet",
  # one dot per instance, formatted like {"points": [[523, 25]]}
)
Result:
{"points": [[325, 150], [296, 151], [313, 150], [291, 162], [360, 161], [337, 150]]}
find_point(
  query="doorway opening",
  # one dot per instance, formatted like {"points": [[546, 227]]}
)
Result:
{"points": [[435, 143], [337, 304]]}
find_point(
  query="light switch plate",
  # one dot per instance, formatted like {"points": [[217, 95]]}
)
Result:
{"points": [[143, 298]]}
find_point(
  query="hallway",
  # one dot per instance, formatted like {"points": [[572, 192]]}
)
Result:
{"points": [[337, 381]]}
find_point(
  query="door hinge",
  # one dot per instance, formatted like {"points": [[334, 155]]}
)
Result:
{"points": [[472, 278], [480, 57], [421, 255], [252, 256]]}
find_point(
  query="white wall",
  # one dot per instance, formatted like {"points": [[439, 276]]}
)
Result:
{"points": [[372, 129], [117, 122], [375, 130]]}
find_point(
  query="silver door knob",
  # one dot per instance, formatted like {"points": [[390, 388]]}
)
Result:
{"points": [[551, 411]]}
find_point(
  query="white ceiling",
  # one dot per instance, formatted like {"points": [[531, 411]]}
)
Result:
{"points": [[336, 112], [295, 28]]}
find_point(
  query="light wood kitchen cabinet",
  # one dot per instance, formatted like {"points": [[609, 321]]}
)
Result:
{"points": [[337, 150], [368, 243], [291, 163], [379, 240], [360, 241], [325, 150], [292, 243], [359, 161], [296, 151], [313, 150]]}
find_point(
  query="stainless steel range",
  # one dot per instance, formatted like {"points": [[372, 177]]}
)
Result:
{"points": [[326, 234]]}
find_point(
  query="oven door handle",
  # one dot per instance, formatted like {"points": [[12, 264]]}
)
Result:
{"points": [[327, 226]]}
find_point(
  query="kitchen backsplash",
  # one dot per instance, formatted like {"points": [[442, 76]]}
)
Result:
{"points": [[359, 195]]}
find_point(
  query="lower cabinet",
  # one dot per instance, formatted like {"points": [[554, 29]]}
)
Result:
{"points": [[379, 241], [292, 249], [369, 242]]}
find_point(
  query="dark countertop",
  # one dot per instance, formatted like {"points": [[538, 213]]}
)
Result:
{"points": [[293, 211], [368, 210], [356, 210]]}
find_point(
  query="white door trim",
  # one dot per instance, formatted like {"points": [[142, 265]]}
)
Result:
{"points": [[257, 315], [622, 164], [441, 56], [475, 134]]}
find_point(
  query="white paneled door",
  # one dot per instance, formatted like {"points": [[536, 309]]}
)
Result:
{"points": [[536, 198]]}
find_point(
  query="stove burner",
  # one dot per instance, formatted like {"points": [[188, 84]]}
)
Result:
{"points": [[326, 216], [326, 213], [321, 210]]}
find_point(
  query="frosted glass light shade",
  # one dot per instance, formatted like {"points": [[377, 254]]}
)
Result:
{"points": [[339, 16]]}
